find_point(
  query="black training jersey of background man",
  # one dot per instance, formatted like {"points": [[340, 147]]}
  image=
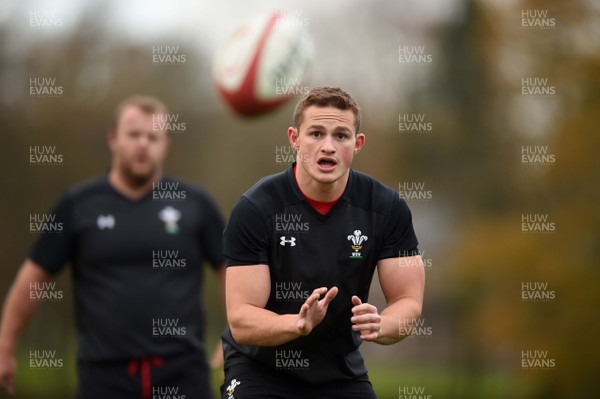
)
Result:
{"points": [[135, 265], [306, 250]]}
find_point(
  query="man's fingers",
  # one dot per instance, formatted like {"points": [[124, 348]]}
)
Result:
{"points": [[6, 384], [217, 359], [364, 308], [368, 331], [309, 315], [367, 327], [332, 293], [11, 385], [314, 297], [369, 337], [303, 311], [366, 318], [359, 306], [318, 292]]}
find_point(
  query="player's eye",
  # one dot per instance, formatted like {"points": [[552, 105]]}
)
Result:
{"points": [[341, 136], [315, 133]]}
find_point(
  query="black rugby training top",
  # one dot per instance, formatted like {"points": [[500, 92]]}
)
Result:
{"points": [[136, 266], [274, 224]]}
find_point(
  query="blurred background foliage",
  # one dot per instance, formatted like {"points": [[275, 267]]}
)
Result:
{"points": [[471, 161]]}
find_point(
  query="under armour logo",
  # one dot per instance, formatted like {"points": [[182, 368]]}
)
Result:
{"points": [[291, 241], [105, 222]]}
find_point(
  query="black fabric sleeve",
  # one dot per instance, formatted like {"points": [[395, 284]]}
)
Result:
{"points": [[53, 249], [246, 238], [211, 233], [399, 239]]}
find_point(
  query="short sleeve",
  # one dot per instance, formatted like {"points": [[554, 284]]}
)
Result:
{"points": [[54, 247], [212, 233], [246, 238], [400, 239]]}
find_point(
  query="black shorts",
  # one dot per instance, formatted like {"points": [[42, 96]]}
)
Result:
{"points": [[253, 381], [150, 377]]}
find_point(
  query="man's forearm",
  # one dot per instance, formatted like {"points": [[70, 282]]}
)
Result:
{"points": [[398, 321], [251, 325], [18, 306]]}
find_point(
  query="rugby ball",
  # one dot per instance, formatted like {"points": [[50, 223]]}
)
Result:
{"points": [[263, 64]]}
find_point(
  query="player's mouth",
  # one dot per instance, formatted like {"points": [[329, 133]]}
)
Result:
{"points": [[141, 164], [141, 158], [326, 164]]}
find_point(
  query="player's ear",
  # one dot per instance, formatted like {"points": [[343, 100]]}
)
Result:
{"points": [[293, 137], [111, 137], [360, 141]]}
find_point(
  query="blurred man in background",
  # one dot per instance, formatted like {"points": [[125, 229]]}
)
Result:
{"points": [[302, 247], [136, 241]]}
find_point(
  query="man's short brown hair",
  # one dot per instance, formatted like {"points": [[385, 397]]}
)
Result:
{"points": [[326, 96], [147, 104]]}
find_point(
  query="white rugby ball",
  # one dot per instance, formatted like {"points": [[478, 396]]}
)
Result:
{"points": [[263, 64]]}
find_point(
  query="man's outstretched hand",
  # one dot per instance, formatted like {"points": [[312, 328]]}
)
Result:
{"points": [[8, 367], [313, 311]]}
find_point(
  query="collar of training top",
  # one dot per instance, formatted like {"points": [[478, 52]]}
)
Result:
{"points": [[296, 189]]}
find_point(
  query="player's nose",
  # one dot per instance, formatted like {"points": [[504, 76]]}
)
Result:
{"points": [[327, 144], [144, 140]]}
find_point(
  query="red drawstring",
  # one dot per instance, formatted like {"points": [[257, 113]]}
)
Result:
{"points": [[145, 364]]}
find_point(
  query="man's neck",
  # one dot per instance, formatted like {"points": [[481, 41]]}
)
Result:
{"points": [[127, 188], [321, 192]]}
